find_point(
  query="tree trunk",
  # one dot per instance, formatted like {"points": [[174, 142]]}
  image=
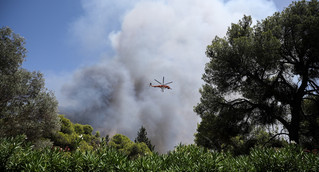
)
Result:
{"points": [[294, 126]]}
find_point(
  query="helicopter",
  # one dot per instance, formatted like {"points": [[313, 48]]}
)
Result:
{"points": [[162, 85]]}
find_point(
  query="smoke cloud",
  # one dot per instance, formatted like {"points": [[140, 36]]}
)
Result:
{"points": [[139, 41]]}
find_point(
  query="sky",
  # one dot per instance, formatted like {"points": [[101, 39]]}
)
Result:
{"points": [[99, 56]]}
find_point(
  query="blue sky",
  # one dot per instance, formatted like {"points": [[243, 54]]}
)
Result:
{"points": [[99, 56], [45, 27]]}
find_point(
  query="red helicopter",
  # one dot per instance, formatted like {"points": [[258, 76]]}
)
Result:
{"points": [[162, 85]]}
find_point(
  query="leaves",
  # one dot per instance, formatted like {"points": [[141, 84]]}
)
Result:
{"points": [[17, 155], [26, 106], [260, 76], [142, 137]]}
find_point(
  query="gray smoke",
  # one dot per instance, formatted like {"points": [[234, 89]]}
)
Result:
{"points": [[155, 39]]}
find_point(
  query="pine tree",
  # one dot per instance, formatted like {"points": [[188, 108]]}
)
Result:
{"points": [[262, 75], [142, 137]]}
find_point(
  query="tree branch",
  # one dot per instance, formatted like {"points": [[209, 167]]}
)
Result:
{"points": [[313, 84], [274, 137]]}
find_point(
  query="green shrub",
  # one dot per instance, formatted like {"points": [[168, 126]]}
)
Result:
{"points": [[18, 155], [78, 128], [66, 125], [125, 145], [138, 149], [9, 148], [289, 158], [120, 142], [87, 129], [193, 158], [71, 135], [42, 143], [84, 146]]}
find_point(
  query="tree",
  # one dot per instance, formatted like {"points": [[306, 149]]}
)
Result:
{"points": [[78, 128], [261, 75], [76, 136], [139, 149], [125, 145], [120, 142], [26, 106], [66, 125], [142, 138], [87, 129], [310, 126]]}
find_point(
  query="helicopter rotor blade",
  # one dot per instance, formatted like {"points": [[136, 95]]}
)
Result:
{"points": [[168, 83], [158, 81]]}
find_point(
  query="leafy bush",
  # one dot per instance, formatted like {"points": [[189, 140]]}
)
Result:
{"points": [[78, 128], [120, 142], [42, 143], [9, 147], [289, 158], [87, 129], [71, 135], [193, 158], [125, 145], [18, 155], [84, 146], [138, 149]]}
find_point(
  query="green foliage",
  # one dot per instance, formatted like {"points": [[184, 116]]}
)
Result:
{"points": [[12, 52], [67, 140], [75, 136], [97, 134], [43, 143], [125, 145], [120, 142], [84, 146], [310, 126], [142, 137], [193, 158], [87, 129], [26, 106], [78, 128], [262, 75], [66, 125], [138, 149], [17, 155], [105, 140]]}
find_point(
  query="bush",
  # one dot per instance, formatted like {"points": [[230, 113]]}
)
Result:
{"points": [[289, 158], [138, 149], [87, 129], [78, 128], [120, 142], [125, 145], [71, 135], [42, 143], [18, 155], [9, 147], [84, 146]]}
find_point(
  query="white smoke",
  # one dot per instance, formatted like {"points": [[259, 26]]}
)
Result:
{"points": [[139, 41]]}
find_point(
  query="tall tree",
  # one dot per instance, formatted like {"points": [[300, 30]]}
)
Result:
{"points": [[142, 137], [26, 106], [261, 75]]}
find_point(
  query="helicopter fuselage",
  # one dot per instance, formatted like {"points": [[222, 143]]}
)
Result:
{"points": [[161, 86]]}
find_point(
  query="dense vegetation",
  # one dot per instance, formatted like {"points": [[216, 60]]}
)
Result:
{"points": [[17, 155], [26, 106], [258, 77], [261, 76]]}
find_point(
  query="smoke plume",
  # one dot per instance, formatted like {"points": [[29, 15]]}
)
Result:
{"points": [[139, 41]]}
